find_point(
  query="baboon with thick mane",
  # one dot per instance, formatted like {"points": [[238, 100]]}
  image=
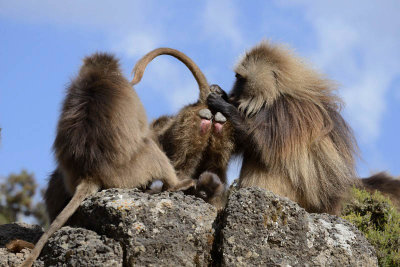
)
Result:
{"points": [[198, 143], [288, 127], [103, 141]]}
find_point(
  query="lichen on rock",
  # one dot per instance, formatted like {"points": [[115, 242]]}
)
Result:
{"points": [[126, 227]]}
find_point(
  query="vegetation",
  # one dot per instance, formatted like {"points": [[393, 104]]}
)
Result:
{"points": [[17, 199], [379, 220]]}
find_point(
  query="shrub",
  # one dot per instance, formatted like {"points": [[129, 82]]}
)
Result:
{"points": [[378, 219]]}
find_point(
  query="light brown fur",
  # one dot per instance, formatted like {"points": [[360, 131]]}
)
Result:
{"points": [[293, 139], [190, 150], [103, 141]]}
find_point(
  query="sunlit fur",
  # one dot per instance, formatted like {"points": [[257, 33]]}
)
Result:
{"points": [[193, 151], [102, 141], [303, 149]]}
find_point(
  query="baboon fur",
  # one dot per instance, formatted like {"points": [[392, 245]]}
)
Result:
{"points": [[191, 150], [388, 185], [103, 141], [288, 127]]}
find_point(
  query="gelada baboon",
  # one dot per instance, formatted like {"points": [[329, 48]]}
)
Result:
{"points": [[103, 141], [386, 184], [288, 127], [198, 143]]}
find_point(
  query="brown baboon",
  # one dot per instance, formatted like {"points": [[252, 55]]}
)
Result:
{"points": [[288, 127], [195, 140], [386, 184], [103, 141]]}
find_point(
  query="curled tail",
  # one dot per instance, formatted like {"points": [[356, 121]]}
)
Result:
{"points": [[83, 190], [141, 65]]}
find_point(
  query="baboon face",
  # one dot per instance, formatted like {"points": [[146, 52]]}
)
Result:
{"points": [[256, 85], [237, 90]]}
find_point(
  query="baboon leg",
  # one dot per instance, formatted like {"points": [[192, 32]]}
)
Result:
{"points": [[163, 170], [190, 135], [56, 196], [250, 176]]}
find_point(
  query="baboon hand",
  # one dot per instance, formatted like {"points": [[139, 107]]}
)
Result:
{"points": [[216, 103], [218, 90]]}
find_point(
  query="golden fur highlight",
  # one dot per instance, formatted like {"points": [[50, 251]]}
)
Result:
{"points": [[308, 152]]}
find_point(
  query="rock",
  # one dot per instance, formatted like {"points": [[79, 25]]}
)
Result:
{"points": [[158, 230], [121, 227], [262, 229], [81, 247], [23, 231]]}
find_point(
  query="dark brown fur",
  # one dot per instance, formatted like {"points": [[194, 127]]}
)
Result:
{"points": [[210, 189], [386, 184], [56, 196], [288, 127], [102, 141], [191, 150]]}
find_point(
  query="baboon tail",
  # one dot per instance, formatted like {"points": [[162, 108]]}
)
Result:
{"points": [[83, 190], [141, 65]]}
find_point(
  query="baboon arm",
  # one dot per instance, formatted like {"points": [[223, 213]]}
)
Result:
{"points": [[247, 132], [83, 190], [239, 123]]}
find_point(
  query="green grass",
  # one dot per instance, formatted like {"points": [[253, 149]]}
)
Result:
{"points": [[378, 219]]}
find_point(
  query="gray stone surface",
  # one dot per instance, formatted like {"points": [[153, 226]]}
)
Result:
{"points": [[120, 227], [167, 229], [262, 229], [81, 247]]}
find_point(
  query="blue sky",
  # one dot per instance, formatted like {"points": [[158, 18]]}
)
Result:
{"points": [[356, 43]]}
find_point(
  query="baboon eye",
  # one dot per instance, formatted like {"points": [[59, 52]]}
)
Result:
{"points": [[239, 77]]}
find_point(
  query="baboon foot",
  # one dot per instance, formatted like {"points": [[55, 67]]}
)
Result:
{"points": [[183, 185], [208, 186]]}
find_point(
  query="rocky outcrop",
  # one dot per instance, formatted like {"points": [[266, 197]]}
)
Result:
{"points": [[22, 231], [259, 228], [120, 227]]}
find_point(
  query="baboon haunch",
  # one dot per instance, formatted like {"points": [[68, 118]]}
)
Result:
{"points": [[288, 127], [386, 184], [195, 140], [103, 141]]}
